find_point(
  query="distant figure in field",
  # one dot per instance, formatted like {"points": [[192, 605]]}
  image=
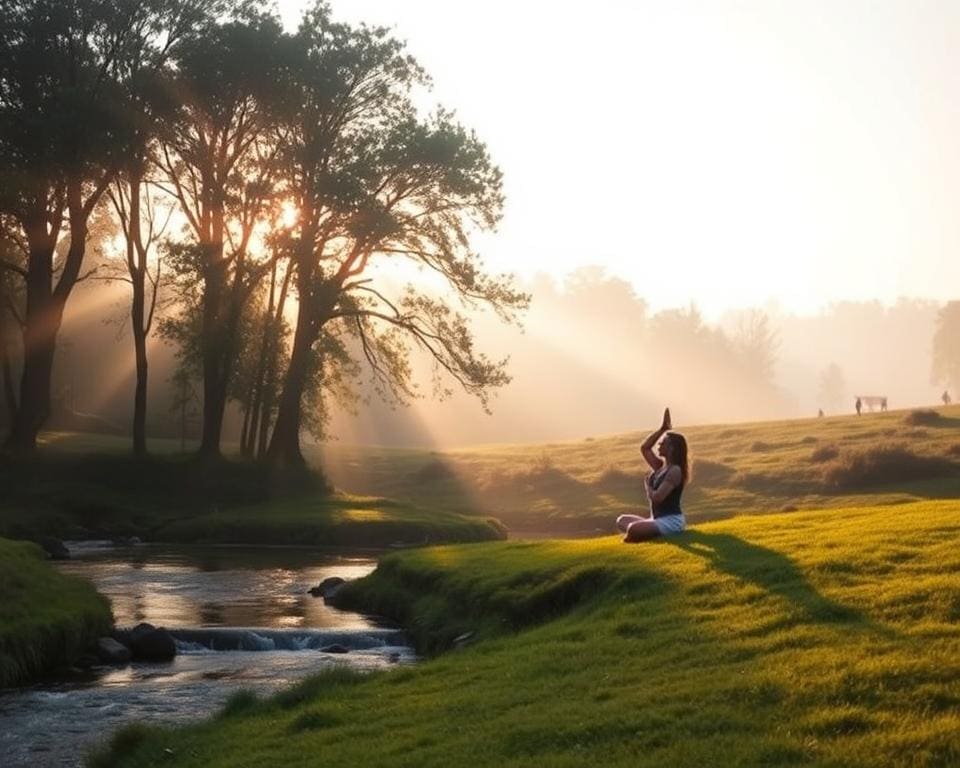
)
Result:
{"points": [[820, 413], [664, 486], [945, 397], [858, 405]]}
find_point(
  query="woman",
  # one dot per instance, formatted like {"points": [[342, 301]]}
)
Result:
{"points": [[664, 487]]}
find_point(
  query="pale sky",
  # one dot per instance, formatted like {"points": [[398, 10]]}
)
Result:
{"points": [[723, 153]]}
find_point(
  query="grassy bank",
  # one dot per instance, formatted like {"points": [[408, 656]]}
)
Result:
{"points": [[46, 618], [815, 638], [174, 498], [580, 486]]}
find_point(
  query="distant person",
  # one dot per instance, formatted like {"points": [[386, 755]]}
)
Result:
{"points": [[945, 397], [883, 404], [858, 405], [664, 486], [820, 413]]}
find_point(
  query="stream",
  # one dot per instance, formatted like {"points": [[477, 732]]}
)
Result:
{"points": [[241, 618]]}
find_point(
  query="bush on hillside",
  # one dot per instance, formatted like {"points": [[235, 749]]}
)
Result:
{"points": [[709, 472], [923, 417], [617, 479], [825, 453], [883, 464]]}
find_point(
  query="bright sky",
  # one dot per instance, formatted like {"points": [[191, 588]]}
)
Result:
{"points": [[723, 152]]}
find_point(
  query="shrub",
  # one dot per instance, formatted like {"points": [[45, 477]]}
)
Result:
{"points": [[709, 472], [883, 464], [616, 479], [923, 417], [825, 453]]}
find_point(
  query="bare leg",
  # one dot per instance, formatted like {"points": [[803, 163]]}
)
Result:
{"points": [[624, 521], [642, 530]]}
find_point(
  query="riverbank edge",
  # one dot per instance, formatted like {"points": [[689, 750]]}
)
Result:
{"points": [[662, 602], [47, 618], [178, 500]]}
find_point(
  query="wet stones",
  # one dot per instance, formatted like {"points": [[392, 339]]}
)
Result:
{"points": [[109, 651], [148, 643], [328, 587]]}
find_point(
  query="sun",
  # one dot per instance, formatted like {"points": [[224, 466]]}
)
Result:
{"points": [[289, 215]]}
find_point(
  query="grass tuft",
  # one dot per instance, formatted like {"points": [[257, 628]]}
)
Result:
{"points": [[47, 619]]}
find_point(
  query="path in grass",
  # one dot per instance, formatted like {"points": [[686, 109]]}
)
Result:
{"points": [[817, 638]]}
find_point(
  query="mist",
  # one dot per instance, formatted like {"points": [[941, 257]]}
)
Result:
{"points": [[591, 358]]}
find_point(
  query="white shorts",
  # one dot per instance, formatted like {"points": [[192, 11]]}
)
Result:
{"points": [[669, 525]]}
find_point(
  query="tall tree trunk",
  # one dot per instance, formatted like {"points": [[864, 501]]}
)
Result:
{"points": [[136, 261], [9, 390], [212, 343], [284, 448], [259, 382], [44, 310], [41, 325], [140, 394], [269, 390], [246, 444]]}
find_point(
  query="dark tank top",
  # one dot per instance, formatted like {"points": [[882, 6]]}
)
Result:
{"points": [[671, 504]]}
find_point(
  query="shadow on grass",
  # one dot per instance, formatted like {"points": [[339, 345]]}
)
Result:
{"points": [[773, 572]]}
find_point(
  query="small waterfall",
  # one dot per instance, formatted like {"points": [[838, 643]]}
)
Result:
{"points": [[203, 640]]}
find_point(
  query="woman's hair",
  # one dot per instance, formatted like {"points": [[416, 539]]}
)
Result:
{"points": [[679, 454]]}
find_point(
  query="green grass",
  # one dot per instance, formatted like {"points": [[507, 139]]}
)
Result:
{"points": [[815, 638], [70, 493], [46, 617], [579, 487]]}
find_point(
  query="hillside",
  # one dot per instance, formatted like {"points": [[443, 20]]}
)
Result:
{"points": [[579, 487], [815, 638]]}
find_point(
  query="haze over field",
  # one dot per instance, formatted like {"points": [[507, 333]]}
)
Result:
{"points": [[743, 209]]}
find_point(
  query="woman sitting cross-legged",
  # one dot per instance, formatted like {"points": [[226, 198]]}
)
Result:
{"points": [[664, 486]]}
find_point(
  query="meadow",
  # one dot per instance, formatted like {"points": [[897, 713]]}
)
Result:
{"points": [[578, 487], [821, 638]]}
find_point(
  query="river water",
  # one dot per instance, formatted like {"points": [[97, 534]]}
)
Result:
{"points": [[242, 620]]}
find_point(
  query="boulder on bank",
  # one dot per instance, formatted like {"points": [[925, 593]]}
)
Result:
{"points": [[55, 549], [109, 651], [148, 643], [328, 587]]}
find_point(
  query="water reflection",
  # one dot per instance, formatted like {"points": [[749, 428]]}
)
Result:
{"points": [[206, 587], [203, 589]]}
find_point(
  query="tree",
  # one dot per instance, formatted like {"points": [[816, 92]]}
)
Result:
{"points": [[218, 155], [946, 347], [143, 218], [373, 182], [11, 312], [66, 123], [756, 344], [833, 387]]}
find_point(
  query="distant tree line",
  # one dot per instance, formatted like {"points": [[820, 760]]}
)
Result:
{"points": [[254, 182]]}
